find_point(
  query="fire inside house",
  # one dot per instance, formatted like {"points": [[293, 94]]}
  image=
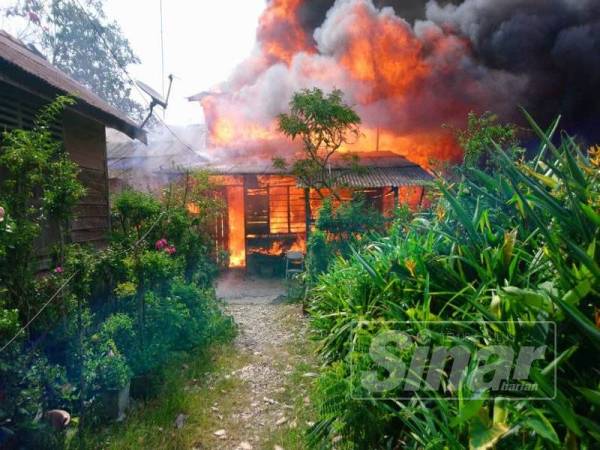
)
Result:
{"points": [[405, 77], [269, 211]]}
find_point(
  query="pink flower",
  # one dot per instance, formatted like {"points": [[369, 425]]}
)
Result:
{"points": [[171, 250], [58, 270], [1, 214], [161, 244]]}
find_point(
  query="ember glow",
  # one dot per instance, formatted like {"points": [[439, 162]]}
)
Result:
{"points": [[407, 80], [400, 79]]}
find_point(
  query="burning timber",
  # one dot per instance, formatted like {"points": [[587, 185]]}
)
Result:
{"points": [[269, 211]]}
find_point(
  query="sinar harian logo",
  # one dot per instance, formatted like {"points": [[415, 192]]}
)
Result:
{"points": [[448, 358]]}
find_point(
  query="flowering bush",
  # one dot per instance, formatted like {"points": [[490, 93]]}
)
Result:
{"points": [[127, 309], [161, 244]]}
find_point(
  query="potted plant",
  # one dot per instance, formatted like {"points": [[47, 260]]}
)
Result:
{"points": [[109, 377]]}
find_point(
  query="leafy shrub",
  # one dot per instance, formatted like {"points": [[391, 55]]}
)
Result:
{"points": [[134, 212], [478, 140], [318, 255], [39, 185], [105, 368], [112, 314], [517, 244], [349, 220]]}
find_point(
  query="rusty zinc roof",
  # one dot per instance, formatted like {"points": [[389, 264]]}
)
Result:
{"points": [[358, 170], [377, 177], [15, 55]]}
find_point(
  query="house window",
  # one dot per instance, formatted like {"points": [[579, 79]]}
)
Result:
{"points": [[286, 210], [18, 110]]}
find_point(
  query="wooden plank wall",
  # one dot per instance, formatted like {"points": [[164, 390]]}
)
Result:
{"points": [[85, 140]]}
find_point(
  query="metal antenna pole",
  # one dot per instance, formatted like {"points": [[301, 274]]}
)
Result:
{"points": [[162, 51]]}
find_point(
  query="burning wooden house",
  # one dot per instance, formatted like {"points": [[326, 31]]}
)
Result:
{"points": [[269, 211]]}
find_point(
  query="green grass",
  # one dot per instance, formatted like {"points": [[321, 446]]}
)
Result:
{"points": [[188, 390]]}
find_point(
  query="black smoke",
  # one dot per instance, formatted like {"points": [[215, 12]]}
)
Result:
{"points": [[312, 12], [553, 44]]}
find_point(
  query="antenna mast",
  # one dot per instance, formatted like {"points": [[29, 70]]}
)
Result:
{"points": [[162, 51]]}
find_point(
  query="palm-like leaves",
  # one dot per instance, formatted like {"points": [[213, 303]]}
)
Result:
{"points": [[515, 245]]}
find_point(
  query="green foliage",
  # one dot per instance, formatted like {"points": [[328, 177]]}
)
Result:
{"points": [[318, 254], [478, 140], [124, 311], [74, 36], [349, 219], [338, 230], [105, 368], [135, 212], [323, 123], [516, 244], [39, 184]]}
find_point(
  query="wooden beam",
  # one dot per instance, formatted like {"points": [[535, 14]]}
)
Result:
{"points": [[396, 197], [307, 211], [422, 195]]}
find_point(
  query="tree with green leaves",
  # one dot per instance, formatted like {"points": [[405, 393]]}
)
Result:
{"points": [[478, 140], [77, 37], [39, 186], [323, 122]]}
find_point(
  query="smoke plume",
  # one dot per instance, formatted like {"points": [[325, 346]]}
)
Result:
{"points": [[409, 68]]}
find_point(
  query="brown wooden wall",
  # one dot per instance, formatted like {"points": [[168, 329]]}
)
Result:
{"points": [[85, 140]]}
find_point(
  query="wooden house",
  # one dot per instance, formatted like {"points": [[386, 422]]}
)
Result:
{"points": [[28, 82], [269, 211]]}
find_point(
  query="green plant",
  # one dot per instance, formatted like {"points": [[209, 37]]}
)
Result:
{"points": [[135, 212], [348, 220], [478, 139], [126, 310], [515, 244], [39, 185], [318, 255], [106, 369], [323, 123]]}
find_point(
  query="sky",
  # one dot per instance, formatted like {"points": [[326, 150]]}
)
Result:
{"points": [[204, 40]]}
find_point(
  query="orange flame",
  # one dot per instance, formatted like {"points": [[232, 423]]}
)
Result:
{"points": [[193, 209], [389, 72], [237, 226], [280, 32]]}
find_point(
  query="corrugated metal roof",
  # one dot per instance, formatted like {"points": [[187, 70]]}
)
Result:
{"points": [[14, 52], [377, 177], [360, 170], [250, 164]]}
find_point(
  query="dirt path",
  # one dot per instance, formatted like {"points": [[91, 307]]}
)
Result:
{"points": [[262, 389], [251, 394]]}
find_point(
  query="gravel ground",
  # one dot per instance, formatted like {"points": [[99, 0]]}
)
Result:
{"points": [[235, 286], [266, 342]]}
